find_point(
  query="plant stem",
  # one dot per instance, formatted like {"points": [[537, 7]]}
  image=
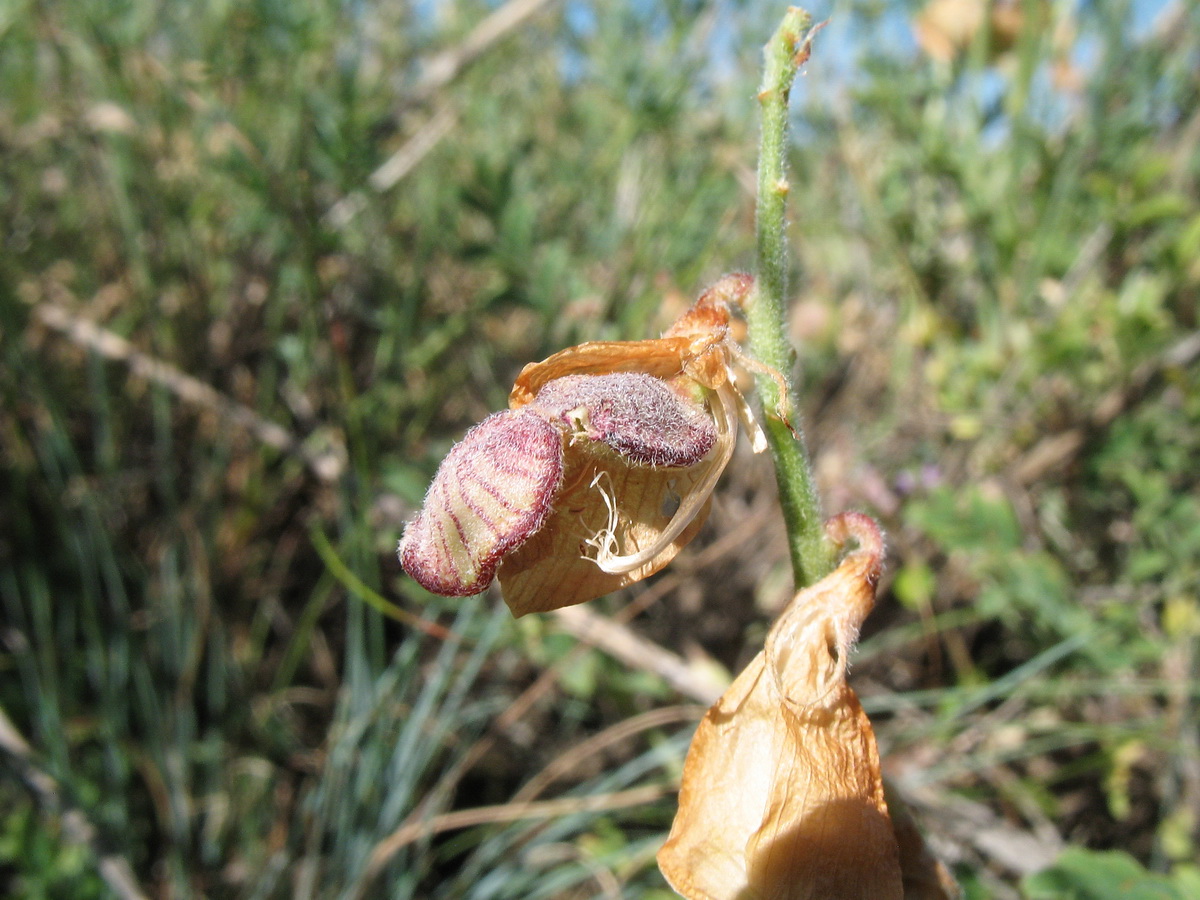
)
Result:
{"points": [[812, 555]]}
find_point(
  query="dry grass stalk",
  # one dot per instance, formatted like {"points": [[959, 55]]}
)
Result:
{"points": [[327, 465]]}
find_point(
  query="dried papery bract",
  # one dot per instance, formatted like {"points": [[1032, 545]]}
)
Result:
{"points": [[782, 797], [644, 430]]}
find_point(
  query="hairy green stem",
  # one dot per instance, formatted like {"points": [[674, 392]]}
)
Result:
{"points": [[811, 553]]}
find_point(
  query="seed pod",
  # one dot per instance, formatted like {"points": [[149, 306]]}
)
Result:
{"points": [[491, 493], [573, 520]]}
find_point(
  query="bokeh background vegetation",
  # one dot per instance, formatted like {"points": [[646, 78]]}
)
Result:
{"points": [[355, 221]]}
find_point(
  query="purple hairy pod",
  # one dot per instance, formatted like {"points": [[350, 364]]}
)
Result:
{"points": [[637, 415]]}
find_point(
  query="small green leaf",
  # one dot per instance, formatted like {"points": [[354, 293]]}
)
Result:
{"points": [[914, 584], [1090, 875]]}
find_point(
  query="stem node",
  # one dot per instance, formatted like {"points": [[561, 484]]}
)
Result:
{"points": [[812, 554]]}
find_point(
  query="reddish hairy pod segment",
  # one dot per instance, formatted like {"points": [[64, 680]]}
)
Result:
{"points": [[635, 414], [491, 494]]}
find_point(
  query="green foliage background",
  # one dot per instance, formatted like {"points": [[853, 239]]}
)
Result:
{"points": [[995, 303]]}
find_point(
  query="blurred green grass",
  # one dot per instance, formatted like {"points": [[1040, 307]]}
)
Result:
{"points": [[996, 306]]}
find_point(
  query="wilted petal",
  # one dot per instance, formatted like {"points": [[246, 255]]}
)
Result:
{"points": [[660, 357], [617, 520], [698, 345], [641, 458], [782, 797]]}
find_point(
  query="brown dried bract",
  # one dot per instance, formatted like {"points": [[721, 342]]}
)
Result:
{"points": [[782, 796], [698, 345]]}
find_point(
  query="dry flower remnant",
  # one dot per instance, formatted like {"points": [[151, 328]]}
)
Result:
{"points": [[598, 474], [782, 795]]}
